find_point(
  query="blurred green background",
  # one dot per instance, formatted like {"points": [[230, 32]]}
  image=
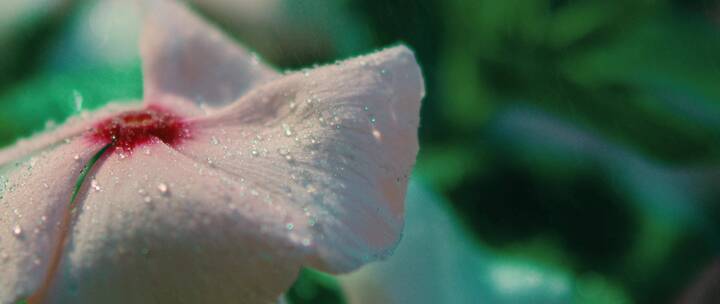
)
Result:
{"points": [[576, 141]]}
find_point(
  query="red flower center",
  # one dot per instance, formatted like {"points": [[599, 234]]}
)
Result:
{"points": [[132, 129]]}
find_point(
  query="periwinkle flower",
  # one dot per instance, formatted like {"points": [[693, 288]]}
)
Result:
{"points": [[225, 181]]}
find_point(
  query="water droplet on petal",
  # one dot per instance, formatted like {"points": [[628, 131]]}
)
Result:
{"points": [[17, 231], [287, 130], [290, 226], [94, 184], [163, 188]]}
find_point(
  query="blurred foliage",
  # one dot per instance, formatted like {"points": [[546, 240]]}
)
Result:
{"points": [[579, 137], [315, 287], [48, 99]]}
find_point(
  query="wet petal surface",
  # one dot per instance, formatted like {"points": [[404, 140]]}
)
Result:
{"points": [[337, 142], [35, 196], [158, 227]]}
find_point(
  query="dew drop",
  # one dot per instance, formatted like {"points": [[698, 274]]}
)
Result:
{"points": [[163, 188], [17, 231], [76, 157], [287, 130], [254, 152], [94, 184], [290, 226], [214, 140]]}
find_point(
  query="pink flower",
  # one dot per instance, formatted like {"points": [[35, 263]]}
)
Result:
{"points": [[217, 188]]}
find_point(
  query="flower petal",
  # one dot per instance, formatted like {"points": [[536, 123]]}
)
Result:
{"points": [[35, 196], [72, 128], [185, 57], [337, 143], [155, 226]]}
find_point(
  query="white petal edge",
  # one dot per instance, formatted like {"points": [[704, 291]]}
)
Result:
{"points": [[337, 142], [186, 58]]}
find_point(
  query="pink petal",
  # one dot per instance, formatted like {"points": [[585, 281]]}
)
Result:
{"points": [[336, 143], [157, 226], [72, 128], [35, 196], [184, 57]]}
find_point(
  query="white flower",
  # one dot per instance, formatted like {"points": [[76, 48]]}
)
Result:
{"points": [[226, 180]]}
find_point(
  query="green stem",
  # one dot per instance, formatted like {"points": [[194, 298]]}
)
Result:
{"points": [[85, 171]]}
